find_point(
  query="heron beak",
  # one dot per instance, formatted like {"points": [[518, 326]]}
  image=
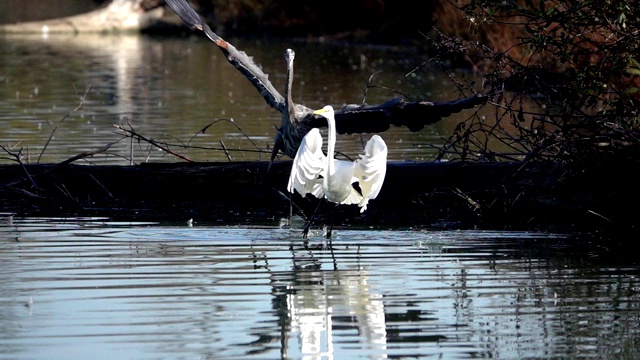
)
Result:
{"points": [[319, 111]]}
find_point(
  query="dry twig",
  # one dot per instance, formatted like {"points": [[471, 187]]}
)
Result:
{"points": [[134, 135], [55, 127]]}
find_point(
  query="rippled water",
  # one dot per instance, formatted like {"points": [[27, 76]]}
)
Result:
{"points": [[91, 288]]}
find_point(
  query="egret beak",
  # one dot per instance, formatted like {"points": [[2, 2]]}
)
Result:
{"points": [[320, 111]]}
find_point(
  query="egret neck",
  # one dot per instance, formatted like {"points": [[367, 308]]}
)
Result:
{"points": [[331, 146]]}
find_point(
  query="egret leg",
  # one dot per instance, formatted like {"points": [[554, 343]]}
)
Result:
{"points": [[290, 211], [331, 223], [305, 232], [330, 230]]}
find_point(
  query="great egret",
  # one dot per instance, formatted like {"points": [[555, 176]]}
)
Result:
{"points": [[325, 177]]}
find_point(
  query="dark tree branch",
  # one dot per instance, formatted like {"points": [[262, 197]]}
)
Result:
{"points": [[134, 135], [87, 154], [18, 158]]}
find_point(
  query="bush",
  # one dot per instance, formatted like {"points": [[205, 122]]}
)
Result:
{"points": [[565, 76]]}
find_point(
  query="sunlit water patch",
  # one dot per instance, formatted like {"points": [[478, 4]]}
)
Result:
{"points": [[79, 288]]}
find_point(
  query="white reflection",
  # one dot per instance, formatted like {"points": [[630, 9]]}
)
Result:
{"points": [[113, 65], [317, 298], [311, 320], [116, 72]]}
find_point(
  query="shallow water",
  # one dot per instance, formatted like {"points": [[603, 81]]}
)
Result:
{"points": [[79, 288]]}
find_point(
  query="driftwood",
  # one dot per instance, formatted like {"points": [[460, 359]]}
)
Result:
{"points": [[443, 195], [118, 16]]}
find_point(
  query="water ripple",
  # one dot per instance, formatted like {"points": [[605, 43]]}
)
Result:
{"points": [[74, 287]]}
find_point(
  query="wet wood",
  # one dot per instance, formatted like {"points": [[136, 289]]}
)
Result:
{"points": [[455, 195]]}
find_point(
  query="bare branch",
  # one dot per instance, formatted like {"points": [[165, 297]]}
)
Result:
{"points": [[54, 128], [18, 159], [132, 134]]}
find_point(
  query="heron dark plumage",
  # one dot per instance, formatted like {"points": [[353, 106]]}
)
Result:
{"points": [[298, 120]]}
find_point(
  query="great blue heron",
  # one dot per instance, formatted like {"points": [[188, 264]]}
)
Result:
{"points": [[297, 119], [325, 177], [291, 131]]}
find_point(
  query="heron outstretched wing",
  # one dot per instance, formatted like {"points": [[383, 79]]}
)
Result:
{"points": [[237, 58], [398, 111]]}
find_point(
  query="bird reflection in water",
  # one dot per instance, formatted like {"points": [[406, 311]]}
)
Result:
{"points": [[313, 303]]}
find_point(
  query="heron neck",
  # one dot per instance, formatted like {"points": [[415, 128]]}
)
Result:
{"points": [[331, 144], [287, 91]]}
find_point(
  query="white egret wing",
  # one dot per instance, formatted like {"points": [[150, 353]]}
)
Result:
{"points": [[308, 165], [371, 168], [342, 181]]}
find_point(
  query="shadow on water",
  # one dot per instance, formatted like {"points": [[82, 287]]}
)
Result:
{"points": [[73, 287]]}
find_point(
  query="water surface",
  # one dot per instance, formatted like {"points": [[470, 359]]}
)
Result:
{"points": [[79, 288]]}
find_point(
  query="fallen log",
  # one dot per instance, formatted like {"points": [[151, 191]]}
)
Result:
{"points": [[537, 196], [118, 16]]}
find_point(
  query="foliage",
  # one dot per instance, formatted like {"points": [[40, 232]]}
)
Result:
{"points": [[362, 21], [565, 76]]}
